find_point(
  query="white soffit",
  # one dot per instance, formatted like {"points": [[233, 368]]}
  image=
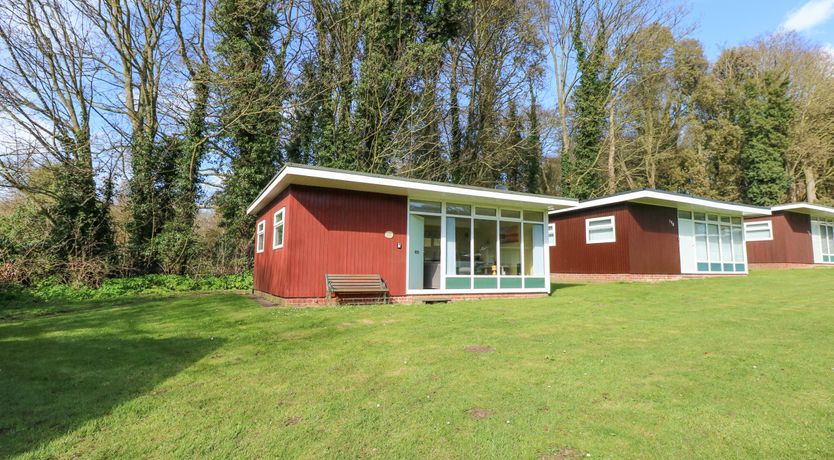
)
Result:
{"points": [[671, 200], [339, 179], [813, 210]]}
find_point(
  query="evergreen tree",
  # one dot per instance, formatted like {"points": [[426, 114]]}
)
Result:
{"points": [[766, 123], [581, 177], [251, 94], [534, 147]]}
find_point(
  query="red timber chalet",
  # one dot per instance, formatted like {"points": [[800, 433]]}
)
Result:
{"points": [[796, 235], [648, 235], [424, 239]]}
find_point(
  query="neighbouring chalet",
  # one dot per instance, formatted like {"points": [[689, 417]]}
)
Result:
{"points": [[318, 229], [795, 235], [648, 235]]}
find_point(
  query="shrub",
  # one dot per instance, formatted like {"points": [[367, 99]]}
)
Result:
{"points": [[53, 290]]}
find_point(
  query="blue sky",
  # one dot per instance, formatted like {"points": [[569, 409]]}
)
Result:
{"points": [[725, 23]]}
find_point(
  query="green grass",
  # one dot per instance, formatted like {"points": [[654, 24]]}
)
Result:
{"points": [[717, 368]]}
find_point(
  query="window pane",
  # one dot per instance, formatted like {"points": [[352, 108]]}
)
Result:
{"points": [[457, 246], [712, 217], [725, 219], [278, 235], [459, 209], [712, 240], [736, 220], [533, 249], [260, 241], [701, 247], [738, 245], [485, 256], [485, 211], [512, 214], [537, 216], [700, 216], [753, 235], [599, 223], [684, 215], [425, 206], [510, 237], [726, 244], [551, 235], [600, 234]]}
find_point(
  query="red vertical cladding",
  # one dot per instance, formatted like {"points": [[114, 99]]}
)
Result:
{"points": [[342, 232], [791, 242], [572, 254], [270, 265], [653, 240]]}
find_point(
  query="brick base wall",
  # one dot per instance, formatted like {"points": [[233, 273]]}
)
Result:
{"points": [[787, 266], [582, 278], [405, 300]]}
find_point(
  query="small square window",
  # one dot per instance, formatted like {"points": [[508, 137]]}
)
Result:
{"points": [[600, 230], [758, 231]]}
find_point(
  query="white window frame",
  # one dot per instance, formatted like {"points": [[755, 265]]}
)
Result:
{"points": [[588, 222], [276, 224], [769, 225], [260, 238], [551, 234]]}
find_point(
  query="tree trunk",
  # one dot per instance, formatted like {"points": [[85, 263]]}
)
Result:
{"points": [[612, 148], [810, 183]]}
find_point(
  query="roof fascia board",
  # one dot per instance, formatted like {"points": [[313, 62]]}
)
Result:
{"points": [[669, 198], [406, 187], [813, 208]]}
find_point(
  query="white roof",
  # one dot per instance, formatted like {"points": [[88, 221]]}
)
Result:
{"points": [[806, 208], [292, 174], [671, 200]]}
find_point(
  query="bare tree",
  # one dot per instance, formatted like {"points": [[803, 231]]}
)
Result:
{"points": [[47, 88]]}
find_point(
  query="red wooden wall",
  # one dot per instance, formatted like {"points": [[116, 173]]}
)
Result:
{"points": [[333, 231], [791, 242], [647, 242], [653, 240]]}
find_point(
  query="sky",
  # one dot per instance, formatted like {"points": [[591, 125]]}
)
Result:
{"points": [[726, 23]]}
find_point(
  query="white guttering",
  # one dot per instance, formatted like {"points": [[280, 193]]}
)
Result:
{"points": [[809, 208], [385, 184], [658, 198]]}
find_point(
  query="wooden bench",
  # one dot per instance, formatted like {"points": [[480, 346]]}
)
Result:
{"points": [[356, 286]]}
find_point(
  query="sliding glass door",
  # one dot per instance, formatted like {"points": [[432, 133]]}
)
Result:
{"points": [[823, 240], [481, 247], [718, 243]]}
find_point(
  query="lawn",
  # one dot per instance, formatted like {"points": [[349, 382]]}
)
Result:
{"points": [[717, 368]]}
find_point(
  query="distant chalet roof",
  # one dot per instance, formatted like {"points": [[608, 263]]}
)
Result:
{"points": [[814, 210], [670, 199], [297, 174]]}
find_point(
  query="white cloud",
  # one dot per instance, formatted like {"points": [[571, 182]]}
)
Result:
{"points": [[809, 15]]}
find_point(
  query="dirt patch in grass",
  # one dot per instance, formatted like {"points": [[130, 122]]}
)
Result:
{"points": [[292, 421], [563, 453], [479, 413], [478, 349]]}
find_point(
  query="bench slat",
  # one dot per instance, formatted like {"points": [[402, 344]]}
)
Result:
{"points": [[355, 284]]}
